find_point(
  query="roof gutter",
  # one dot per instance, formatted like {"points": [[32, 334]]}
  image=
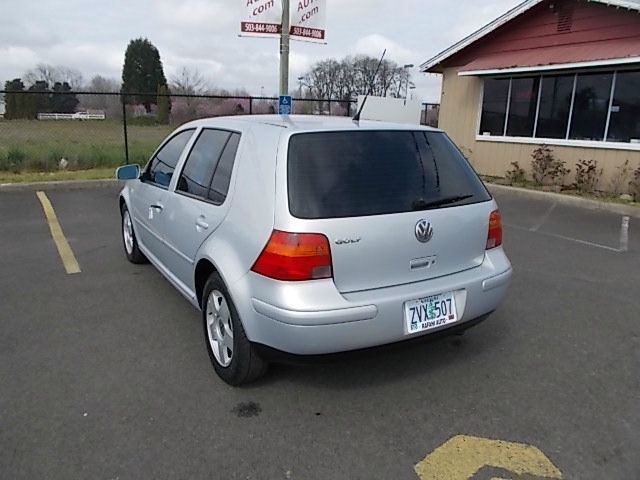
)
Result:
{"points": [[544, 68]]}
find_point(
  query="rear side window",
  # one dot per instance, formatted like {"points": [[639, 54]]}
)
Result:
{"points": [[164, 163], [202, 162], [222, 177], [363, 173]]}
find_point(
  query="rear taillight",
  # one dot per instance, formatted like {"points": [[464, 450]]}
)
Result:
{"points": [[494, 239], [295, 257]]}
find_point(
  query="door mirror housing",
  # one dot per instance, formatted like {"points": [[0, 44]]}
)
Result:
{"points": [[128, 172]]}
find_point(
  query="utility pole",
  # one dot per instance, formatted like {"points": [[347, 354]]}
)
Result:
{"points": [[406, 89], [284, 49]]}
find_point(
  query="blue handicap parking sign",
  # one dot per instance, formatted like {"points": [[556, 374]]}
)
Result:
{"points": [[285, 104]]}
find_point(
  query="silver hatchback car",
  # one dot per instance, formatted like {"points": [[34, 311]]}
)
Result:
{"points": [[312, 235]]}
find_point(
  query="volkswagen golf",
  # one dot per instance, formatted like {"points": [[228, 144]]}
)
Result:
{"points": [[315, 235]]}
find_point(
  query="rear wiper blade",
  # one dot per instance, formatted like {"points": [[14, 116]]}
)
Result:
{"points": [[421, 204]]}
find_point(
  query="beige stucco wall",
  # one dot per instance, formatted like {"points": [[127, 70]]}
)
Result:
{"points": [[459, 117]]}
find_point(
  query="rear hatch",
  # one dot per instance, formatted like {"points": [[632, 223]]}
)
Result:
{"points": [[397, 206]]}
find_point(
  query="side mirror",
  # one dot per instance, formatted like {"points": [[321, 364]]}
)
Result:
{"points": [[128, 172]]}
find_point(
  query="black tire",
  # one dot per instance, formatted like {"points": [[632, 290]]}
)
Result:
{"points": [[132, 251], [245, 364]]}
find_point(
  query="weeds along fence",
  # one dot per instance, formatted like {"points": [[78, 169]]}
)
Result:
{"points": [[47, 131]]}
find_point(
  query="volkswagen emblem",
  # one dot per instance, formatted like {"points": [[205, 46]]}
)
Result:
{"points": [[424, 231]]}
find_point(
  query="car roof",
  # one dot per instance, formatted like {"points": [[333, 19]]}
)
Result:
{"points": [[304, 123]]}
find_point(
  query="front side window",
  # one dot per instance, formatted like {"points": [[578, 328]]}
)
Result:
{"points": [[197, 173], [161, 168]]}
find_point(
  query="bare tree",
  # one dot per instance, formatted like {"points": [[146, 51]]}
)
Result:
{"points": [[238, 92], [354, 76], [323, 80], [110, 104], [363, 68], [189, 82], [41, 73], [400, 82], [103, 84], [52, 74]]}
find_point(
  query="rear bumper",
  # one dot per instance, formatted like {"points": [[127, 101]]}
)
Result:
{"points": [[313, 318], [318, 317], [275, 355]]}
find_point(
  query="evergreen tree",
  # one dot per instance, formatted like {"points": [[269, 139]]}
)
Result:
{"points": [[14, 102], [39, 101], [142, 72], [61, 101]]}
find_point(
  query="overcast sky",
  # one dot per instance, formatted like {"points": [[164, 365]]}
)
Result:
{"points": [[91, 36]]}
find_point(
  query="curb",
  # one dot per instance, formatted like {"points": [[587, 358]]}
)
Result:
{"points": [[620, 209], [58, 184]]}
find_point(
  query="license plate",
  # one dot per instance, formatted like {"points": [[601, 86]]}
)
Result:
{"points": [[429, 313]]}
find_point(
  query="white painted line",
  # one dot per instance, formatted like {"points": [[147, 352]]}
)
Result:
{"points": [[562, 237], [544, 218], [583, 242]]}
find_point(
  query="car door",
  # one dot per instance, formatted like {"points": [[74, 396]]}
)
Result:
{"points": [[198, 205], [148, 196]]}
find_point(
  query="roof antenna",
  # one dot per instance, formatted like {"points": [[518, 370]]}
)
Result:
{"points": [[356, 118]]}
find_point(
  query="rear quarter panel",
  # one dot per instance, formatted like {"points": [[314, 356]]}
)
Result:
{"points": [[235, 245]]}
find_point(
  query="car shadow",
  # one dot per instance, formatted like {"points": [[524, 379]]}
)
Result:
{"points": [[390, 364]]}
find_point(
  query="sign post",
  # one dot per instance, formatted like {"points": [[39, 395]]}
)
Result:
{"points": [[284, 52], [273, 18]]}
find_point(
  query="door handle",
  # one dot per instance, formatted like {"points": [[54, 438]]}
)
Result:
{"points": [[153, 209], [201, 224]]}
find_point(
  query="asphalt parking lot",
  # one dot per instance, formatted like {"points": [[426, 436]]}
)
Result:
{"points": [[104, 373]]}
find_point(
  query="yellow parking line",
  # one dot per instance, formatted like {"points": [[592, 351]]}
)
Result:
{"points": [[66, 254]]}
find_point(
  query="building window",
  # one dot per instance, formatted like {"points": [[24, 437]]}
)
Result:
{"points": [[555, 105], [591, 106], [494, 106], [522, 106], [581, 106], [624, 125]]}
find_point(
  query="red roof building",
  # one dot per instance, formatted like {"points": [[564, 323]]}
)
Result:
{"points": [[564, 73]]}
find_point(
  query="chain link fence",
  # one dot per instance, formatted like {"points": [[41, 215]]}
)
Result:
{"points": [[50, 131]]}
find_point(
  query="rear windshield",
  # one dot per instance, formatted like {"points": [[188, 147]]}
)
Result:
{"points": [[363, 173]]}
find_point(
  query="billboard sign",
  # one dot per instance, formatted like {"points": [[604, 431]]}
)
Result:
{"points": [[308, 20], [261, 18]]}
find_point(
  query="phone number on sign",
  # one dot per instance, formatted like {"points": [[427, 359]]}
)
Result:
{"points": [[253, 27], [308, 32]]}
